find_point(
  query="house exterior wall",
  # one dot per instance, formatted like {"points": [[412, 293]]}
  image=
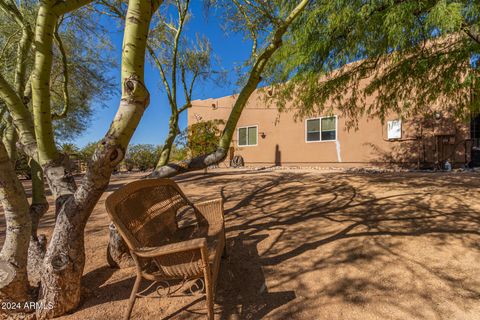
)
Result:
{"points": [[285, 144]]}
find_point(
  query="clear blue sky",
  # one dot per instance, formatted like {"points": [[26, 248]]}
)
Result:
{"points": [[229, 48]]}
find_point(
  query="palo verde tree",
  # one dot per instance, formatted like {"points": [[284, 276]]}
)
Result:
{"points": [[180, 62], [266, 24], [63, 264], [415, 54], [78, 79]]}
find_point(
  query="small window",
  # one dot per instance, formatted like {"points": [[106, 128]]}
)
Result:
{"points": [[322, 129], [394, 129], [247, 136]]}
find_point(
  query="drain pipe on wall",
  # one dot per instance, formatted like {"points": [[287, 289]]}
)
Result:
{"points": [[337, 144]]}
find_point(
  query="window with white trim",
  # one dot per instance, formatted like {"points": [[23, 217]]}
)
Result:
{"points": [[247, 136], [321, 129], [394, 129]]}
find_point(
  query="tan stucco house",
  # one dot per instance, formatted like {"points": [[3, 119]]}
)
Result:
{"points": [[264, 136]]}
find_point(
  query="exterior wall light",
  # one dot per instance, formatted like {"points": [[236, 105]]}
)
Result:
{"points": [[263, 135]]}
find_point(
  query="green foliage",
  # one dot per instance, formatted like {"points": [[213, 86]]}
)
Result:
{"points": [[86, 153], [142, 156], [447, 16], [69, 149], [89, 59], [178, 153], [404, 56], [203, 137]]}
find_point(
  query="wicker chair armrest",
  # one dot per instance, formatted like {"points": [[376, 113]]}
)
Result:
{"points": [[187, 245], [211, 210]]}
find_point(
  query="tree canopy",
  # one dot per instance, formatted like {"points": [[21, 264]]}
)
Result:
{"points": [[412, 53], [82, 60]]}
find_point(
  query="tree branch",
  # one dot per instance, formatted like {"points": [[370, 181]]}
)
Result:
{"points": [[254, 79], [12, 10], [162, 73], [21, 117], [251, 28], [475, 36], [66, 97], [7, 43], [62, 7], [182, 13]]}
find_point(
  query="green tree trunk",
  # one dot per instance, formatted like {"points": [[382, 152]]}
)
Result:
{"points": [[13, 256], [167, 147]]}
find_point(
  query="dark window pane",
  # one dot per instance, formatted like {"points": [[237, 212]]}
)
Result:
{"points": [[242, 136], [328, 135], [313, 136], [313, 125], [252, 136]]}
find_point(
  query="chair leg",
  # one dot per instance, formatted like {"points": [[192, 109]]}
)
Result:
{"points": [[208, 282], [133, 296], [209, 292]]}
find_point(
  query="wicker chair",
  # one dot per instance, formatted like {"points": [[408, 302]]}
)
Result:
{"points": [[146, 214]]}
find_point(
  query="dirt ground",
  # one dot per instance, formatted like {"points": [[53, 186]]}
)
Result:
{"points": [[317, 245]]}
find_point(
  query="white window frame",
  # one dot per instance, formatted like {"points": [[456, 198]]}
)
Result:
{"points": [[399, 121], [238, 136], [320, 119]]}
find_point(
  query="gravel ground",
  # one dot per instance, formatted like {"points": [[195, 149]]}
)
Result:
{"points": [[310, 244]]}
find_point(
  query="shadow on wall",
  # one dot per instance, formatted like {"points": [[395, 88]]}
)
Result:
{"points": [[278, 156], [429, 143]]}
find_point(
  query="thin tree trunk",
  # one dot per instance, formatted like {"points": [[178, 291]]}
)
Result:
{"points": [[13, 256], [204, 161], [65, 258], [167, 146], [118, 255]]}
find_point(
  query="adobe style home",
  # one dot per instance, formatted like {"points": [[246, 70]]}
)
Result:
{"points": [[267, 137]]}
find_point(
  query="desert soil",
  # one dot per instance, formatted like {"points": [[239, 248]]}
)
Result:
{"points": [[316, 245]]}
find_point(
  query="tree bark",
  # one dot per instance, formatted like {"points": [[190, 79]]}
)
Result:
{"points": [[38, 207], [65, 258], [118, 255], [13, 256]]}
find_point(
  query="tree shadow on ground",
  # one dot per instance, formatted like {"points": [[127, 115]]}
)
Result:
{"points": [[359, 226], [242, 291], [311, 246]]}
